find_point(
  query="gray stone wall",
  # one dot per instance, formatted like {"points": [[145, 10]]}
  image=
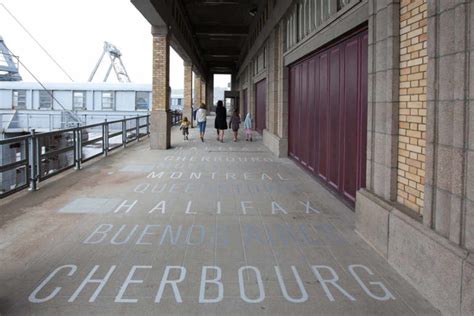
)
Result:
{"points": [[383, 98], [449, 190]]}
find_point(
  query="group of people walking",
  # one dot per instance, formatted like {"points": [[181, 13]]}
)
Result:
{"points": [[220, 123]]}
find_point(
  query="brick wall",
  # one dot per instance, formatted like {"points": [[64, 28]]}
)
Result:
{"points": [[412, 110], [160, 72]]}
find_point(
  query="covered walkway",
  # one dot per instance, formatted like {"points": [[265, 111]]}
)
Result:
{"points": [[203, 228]]}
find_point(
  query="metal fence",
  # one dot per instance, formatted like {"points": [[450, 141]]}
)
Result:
{"points": [[30, 159], [176, 117]]}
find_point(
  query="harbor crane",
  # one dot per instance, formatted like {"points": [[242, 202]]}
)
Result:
{"points": [[8, 67], [115, 63]]}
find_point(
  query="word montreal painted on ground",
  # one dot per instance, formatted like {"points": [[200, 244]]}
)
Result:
{"points": [[251, 286]]}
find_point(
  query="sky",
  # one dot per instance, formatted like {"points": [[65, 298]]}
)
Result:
{"points": [[73, 32]]}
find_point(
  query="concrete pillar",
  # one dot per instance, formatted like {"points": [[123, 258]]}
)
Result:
{"points": [[210, 92], [197, 90], [188, 91], [160, 130], [203, 90], [449, 189], [275, 136]]}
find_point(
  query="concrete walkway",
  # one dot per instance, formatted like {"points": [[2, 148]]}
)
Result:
{"points": [[204, 228]]}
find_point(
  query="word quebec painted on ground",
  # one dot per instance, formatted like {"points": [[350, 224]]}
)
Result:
{"points": [[220, 187], [174, 277], [246, 208], [219, 235]]}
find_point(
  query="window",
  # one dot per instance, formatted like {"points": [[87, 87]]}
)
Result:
{"points": [[46, 99], [107, 100], [79, 100], [19, 99], [142, 100]]}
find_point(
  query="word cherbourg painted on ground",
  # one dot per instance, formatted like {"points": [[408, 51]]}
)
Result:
{"points": [[211, 285]]}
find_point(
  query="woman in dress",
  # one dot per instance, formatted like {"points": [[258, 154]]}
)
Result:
{"points": [[221, 121]]}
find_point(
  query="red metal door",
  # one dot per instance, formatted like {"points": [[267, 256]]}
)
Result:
{"points": [[328, 113], [260, 105]]}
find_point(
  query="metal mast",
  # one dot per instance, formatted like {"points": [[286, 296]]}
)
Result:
{"points": [[8, 67], [115, 63]]}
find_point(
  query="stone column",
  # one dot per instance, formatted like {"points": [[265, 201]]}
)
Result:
{"points": [[197, 91], [160, 130], [210, 92], [449, 189], [203, 90], [372, 208], [188, 91]]}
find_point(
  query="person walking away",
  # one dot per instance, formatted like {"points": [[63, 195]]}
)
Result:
{"points": [[248, 127], [221, 120], [201, 117], [235, 124], [185, 123]]}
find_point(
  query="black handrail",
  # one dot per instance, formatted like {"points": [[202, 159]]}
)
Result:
{"points": [[37, 153]]}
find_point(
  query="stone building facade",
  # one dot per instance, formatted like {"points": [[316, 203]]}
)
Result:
{"points": [[389, 83]]}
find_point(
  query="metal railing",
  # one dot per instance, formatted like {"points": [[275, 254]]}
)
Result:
{"points": [[30, 159], [176, 117], [55, 121]]}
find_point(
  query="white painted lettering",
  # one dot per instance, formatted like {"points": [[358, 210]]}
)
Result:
{"points": [[89, 279], [169, 231], [154, 175], [188, 208], [125, 206], [141, 188], [244, 205], [33, 296], [218, 207], [387, 295], [261, 290], [129, 280], [284, 291], [146, 232], [161, 206], [324, 282], [176, 175], [195, 175], [308, 208], [101, 231], [202, 233], [114, 241], [276, 207], [217, 281], [172, 283]]}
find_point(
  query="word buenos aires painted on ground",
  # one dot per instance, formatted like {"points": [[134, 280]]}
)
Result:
{"points": [[219, 235], [173, 279]]}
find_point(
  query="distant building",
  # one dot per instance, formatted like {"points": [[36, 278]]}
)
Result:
{"points": [[25, 105]]}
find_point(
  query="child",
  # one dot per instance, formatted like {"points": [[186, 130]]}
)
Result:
{"points": [[185, 127], [248, 127], [235, 124]]}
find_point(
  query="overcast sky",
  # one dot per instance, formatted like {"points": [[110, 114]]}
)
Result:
{"points": [[73, 32]]}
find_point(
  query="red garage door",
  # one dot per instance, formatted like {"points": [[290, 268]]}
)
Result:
{"points": [[260, 105], [328, 114]]}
